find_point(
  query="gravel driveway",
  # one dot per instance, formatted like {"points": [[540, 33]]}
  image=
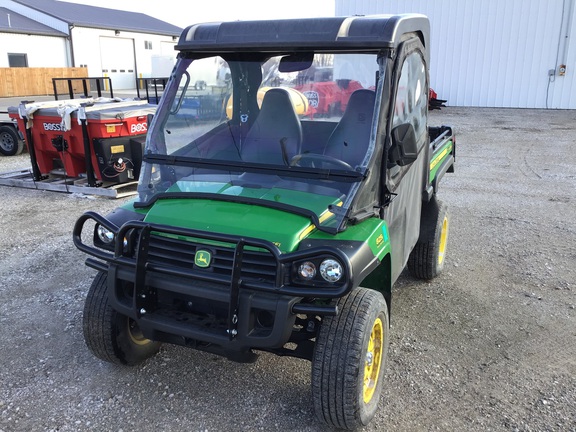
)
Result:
{"points": [[489, 345]]}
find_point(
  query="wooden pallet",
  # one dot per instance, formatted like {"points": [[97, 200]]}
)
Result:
{"points": [[57, 181]]}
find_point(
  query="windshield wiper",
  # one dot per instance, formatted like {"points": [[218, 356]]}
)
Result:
{"points": [[346, 176]]}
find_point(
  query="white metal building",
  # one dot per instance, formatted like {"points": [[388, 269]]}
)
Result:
{"points": [[494, 53], [117, 44]]}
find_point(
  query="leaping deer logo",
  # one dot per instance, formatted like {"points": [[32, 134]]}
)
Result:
{"points": [[202, 258]]}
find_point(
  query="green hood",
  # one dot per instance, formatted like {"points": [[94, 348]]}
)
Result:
{"points": [[284, 229]]}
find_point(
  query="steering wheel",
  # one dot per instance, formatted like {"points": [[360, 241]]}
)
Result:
{"points": [[310, 159]]}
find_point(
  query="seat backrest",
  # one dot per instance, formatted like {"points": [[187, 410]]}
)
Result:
{"points": [[276, 135], [351, 136]]}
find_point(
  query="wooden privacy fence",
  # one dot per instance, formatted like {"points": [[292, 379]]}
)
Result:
{"points": [[35, 81]]}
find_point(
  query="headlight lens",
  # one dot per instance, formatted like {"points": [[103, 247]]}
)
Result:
{"points": [[104, 234], [331, 270], [307, 270]]}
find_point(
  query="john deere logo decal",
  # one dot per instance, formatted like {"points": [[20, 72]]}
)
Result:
{"points": [[203, 258]]}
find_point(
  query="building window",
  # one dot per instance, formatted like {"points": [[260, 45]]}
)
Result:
{"points": [[148, 45], [17, 60]]}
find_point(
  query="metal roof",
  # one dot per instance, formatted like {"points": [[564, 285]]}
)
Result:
{"points": [[12, 22], [98, 17], [356, 33]]}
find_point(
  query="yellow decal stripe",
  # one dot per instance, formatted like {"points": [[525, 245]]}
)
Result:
{"points": [[326, 214], [438, 158], [307, 231]]}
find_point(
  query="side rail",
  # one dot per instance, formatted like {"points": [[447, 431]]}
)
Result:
{"points": [[442, 157], [83, 87], [152, 87]]}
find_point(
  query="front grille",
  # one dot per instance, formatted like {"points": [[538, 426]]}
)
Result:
{"points": [[176, 253]]}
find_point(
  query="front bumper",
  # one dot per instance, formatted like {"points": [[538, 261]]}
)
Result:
{"points": [[244, 300]]}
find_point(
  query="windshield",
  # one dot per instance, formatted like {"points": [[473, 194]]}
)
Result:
{"points": [[292, 130]]}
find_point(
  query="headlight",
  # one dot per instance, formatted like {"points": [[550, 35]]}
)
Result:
{"points": [[322, 270], [307, 270], [104, 234], [331, 270]]}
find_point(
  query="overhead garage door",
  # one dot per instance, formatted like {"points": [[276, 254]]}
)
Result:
{"points": [[118, 63]]}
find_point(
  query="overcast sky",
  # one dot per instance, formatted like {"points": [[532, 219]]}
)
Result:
{"points": [[184, 13]]}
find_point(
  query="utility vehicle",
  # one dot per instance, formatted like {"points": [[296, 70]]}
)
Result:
{"points": [[262, 227]]}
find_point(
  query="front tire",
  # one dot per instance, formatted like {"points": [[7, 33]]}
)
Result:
{"points": [[10, 143], [426, 261], [111, 336], [349, 360]]}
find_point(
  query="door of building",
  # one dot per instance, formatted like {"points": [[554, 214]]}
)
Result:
{"points": [[118, 61]]}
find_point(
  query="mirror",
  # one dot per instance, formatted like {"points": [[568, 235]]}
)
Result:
{"points": [[296, 62], [404, 148]]}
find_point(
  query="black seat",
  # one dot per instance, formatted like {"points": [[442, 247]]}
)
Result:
{"points": [[276, 135], [349, 140]]}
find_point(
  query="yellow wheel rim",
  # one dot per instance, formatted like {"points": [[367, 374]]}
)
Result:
{"points": [[135, 333], [373, 360], [443, 240]]}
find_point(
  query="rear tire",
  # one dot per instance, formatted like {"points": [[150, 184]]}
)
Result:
{"points": [[111, 336], [10, 142], [426, 261], [349, 360]]}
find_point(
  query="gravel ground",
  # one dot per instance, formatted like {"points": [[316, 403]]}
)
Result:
{"points": [[488, 345]]}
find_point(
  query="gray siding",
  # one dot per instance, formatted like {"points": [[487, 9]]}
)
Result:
{"points": [[494, 53]]}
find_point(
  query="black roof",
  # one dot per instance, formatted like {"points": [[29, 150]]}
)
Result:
{"points": [[357, 33], [12, 22], [98, 17]]}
